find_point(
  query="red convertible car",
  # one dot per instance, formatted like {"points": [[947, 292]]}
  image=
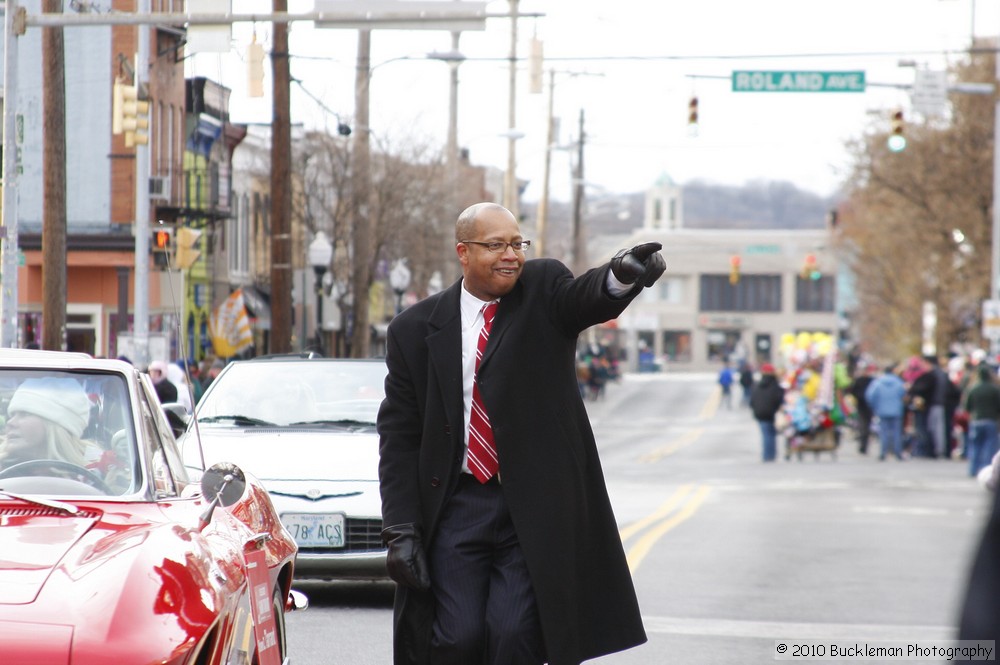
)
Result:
{"points": [[111, 550]]}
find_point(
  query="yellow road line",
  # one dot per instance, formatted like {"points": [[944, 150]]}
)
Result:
{"points": [[660, 513], [645, 544], [685, 439], [711, 404]]}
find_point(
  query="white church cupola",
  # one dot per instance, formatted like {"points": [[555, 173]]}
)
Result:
{"points": [[663, 205]]}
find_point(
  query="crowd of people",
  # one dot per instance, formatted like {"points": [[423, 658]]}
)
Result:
{"points": [[923, 407], [596, 365], [182, 381]]}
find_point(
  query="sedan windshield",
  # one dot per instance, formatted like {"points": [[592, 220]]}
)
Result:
{"points": [[319, 392]]}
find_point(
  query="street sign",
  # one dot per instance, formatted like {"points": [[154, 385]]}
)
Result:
{"points": [[787, 81], [209, 38], [991, 319], [409, 15], [930, 92]]}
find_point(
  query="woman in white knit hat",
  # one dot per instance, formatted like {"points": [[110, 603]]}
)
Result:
{"points": [[46, 418]]}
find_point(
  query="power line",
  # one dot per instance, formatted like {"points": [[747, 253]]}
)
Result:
{"points": [[774, 56], [708, 56]]}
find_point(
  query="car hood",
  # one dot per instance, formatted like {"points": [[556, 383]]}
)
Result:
{"points": [[288, 454], [30, 552], [112, 583]]}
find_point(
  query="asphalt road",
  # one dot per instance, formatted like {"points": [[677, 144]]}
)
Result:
{"points": [[731, 555]]}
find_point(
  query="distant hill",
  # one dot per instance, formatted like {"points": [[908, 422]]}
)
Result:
{"points": [[757, 205]]}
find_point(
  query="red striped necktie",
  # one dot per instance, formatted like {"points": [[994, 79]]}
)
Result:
{"points": [[483, 460]]}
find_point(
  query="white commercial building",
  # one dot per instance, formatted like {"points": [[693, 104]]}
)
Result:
{"points": [[727, 294]]}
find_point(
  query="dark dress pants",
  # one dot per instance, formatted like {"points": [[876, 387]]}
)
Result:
{"points": [[485, 604], [864, 429]]}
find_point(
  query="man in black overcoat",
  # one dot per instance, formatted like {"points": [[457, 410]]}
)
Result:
{"points": [[526, 567], [980, 612]]}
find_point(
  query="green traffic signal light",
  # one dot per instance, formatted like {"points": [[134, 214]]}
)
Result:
{"points": [[897, 141]]}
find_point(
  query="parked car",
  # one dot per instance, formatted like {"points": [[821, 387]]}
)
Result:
{"points": [[306, 427], [110, 550]]}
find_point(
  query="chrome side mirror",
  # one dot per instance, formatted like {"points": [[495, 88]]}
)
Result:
{"points": [[221, 484]]}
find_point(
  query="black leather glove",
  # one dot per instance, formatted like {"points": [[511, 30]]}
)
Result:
{"points": [[405, 560], [643, 263]]}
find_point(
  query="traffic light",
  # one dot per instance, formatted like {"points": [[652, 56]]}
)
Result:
{"points": [[255, 69], [693, 111], [734, 269], [810, 268], [187, 253], [536, 63], [163, 246], [129, 114], [163, 240], [897, 140]]}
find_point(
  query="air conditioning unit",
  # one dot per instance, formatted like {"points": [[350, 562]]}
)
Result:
{"points": [[159, 187]]}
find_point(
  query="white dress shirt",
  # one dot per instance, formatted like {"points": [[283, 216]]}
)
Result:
{"points": [[472, 325]]}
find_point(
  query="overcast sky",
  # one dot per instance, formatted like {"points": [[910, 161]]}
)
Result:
{"points": [[632, 66]]}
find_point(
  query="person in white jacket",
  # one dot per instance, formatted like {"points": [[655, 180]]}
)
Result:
{"points": [[176, 376]]}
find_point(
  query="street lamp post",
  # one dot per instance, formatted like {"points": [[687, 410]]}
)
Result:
{"points": [[399, 280], [320, 253]]}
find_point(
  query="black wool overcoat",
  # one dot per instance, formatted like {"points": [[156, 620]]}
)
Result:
{"points": [[552, 478]]}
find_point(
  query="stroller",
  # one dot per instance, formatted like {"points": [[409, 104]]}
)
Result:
{"points": [[810, 428]]}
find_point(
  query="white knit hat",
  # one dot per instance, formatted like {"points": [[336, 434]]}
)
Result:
{"points": [[62, 401]]}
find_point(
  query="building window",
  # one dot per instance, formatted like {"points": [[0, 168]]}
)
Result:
{"points": [[237, 230], [233, 234], [814, 295], [722, 344], [752, 293], [671, 290], [677, 345], [158, 151]]}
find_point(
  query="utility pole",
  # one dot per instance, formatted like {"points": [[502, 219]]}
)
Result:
{"points": [[281, 186], [10, 249], [455, 202], [995, 244], [510, 180], [543, 203], [54, 184], [579, 251], [363, 214], [452, 148], [140, 315]]}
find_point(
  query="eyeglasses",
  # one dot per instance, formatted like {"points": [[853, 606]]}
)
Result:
{"points": [[497, 247]]}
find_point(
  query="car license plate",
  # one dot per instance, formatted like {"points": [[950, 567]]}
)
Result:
{"points": [[315, 530]]}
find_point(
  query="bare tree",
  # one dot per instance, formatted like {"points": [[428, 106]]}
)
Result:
{"points": [[408, 216], [916, 226]]}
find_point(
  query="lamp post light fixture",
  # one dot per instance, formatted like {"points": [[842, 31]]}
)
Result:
{"points": [[399, 280], [320, 254], [435, 283]]}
